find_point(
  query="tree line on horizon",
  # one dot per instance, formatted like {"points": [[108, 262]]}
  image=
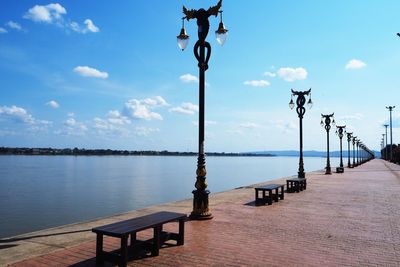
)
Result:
{"points": [[110, 152]]}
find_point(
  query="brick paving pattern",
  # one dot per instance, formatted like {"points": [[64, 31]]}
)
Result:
{"points": [[350, 219]]}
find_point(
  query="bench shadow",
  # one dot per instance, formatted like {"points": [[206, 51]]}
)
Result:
{"points": [[92, 262], [132, 256], [15, 239], [7, 246], [251, 203]]}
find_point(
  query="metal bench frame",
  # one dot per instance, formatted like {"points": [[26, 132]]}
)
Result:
{"points": [[271, 196], [130, 227]]}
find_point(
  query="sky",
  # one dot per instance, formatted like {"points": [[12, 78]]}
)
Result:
{"points": [[100, 74]]}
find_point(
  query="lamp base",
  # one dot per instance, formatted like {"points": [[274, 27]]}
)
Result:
{"points": [[200, 206], [328, 170]]}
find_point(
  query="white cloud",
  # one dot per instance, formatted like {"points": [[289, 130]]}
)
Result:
{"points": [[186, 108], [145, 131], [257, 83], [115, 117], [90, 26], [357, 116], [14, 25], [20, 115], [54, 14], [113, 126], [355, 64], [75, 26], [249, 125], [156, 101], [141, 109], [90, 72], [292, 74], [70, 114], [52, 104], [70, 122], [269, 74], [107, 128], [205, 122], [284, 126], [2, 30], [188, 78], [73, 127], [16, 114], [235, 131], [49, 14]]}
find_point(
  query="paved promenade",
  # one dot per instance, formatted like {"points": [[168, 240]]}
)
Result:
{"points": [[350, 219]]}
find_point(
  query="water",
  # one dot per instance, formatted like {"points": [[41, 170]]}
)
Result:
{"points": [[38, 192]]}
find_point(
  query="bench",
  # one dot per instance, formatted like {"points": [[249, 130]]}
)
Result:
{"points": [[268, 199], [130, 227], [296, 185], [339, 170]]}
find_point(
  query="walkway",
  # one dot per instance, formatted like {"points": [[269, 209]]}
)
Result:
{"points": [[350, 219]]}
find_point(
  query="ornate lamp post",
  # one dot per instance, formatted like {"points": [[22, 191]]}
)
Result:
{"points": [[327, 125], [358, 146], [202, 52], [300, 101], [339, 131], [390, 108], [385, 145], [348, 149], [354, 151]]}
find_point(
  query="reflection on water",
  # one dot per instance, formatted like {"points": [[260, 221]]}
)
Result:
{"points": [[38, 192]]}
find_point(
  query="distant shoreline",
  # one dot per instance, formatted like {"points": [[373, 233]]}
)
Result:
{"points": [[110, 152]]}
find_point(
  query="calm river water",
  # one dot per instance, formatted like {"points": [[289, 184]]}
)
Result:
{"points": [[38, 192]]}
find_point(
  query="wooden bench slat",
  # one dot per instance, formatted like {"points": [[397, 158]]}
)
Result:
{"points": [[269, 186], [138, 224]]}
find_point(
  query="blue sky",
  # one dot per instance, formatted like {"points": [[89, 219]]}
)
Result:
{"points": [[92, 74]]}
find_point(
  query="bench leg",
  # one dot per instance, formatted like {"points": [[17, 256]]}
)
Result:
{"points": [[269, 197], [133, 240], [263, 196], [124, 251], [181, 238], [257, 200], [99, 249], [282, 193], [289, 187], [156, 241], [276, 195]]}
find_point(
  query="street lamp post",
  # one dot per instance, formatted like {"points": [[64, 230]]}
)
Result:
{"points": [[340, 130], [383, 139], [354, 151], [358, 146], [385, 145], [202, 52], [300, 101], [327, 126], [390, 108], [348, 149]]}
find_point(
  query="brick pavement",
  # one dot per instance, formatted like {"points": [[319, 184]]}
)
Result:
{"points": [[350, 219]]}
